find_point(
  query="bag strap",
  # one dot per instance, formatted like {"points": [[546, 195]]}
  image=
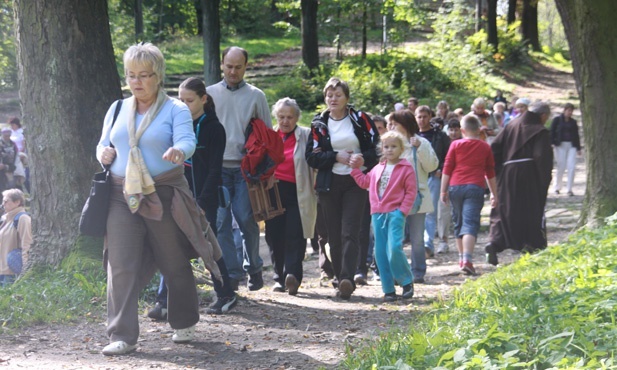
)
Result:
{"points": [[415, 164], [116, 112]]}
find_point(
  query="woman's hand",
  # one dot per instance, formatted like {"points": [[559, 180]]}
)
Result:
{"points": [[174, 156], [356, 160], [493, 201], [344, 157], [107, 156], [415, 141]]}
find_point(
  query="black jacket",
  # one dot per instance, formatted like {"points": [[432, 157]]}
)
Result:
{"points": [[558, 126], [207, 163], [365, 131]]}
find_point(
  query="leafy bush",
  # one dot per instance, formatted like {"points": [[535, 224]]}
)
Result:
{"points": [[555, 309]]}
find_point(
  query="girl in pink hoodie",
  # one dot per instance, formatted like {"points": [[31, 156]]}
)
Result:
{"points": [[392, 191]]}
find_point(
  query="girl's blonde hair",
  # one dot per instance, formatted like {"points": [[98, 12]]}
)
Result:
{"points": [[393, 135]]}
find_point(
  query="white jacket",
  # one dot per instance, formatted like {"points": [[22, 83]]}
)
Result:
{"points": [[427, 162]]}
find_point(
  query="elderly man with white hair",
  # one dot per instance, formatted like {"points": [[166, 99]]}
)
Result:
{"points": [[523, 162]]}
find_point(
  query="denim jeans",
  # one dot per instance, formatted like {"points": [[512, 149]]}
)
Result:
{"points": [[467, 202], [243, 213], [6, 280], [430, 224], [415, 223], [390, 258]]}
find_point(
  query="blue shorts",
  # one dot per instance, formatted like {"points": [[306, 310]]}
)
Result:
{"points": [[467, 202]]}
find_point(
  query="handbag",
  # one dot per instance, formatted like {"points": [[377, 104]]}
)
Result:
{"points": [[93, 219], [14, 261], [418, 202]]}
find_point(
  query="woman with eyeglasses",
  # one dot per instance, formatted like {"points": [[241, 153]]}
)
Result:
{"points": [[153, 221]]}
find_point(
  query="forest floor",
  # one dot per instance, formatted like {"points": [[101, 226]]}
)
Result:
{"points": [[270, 330]]}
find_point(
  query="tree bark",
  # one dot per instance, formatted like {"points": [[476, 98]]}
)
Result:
{"points": [[511, 11], [212, 41], [492, 36], [589, 26], [530, 24], [139, 20], [478, 15], [67, 81], [364, 30], [310, 41]]}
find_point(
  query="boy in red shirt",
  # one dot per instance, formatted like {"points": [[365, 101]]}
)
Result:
{"points": [[468, 167]]}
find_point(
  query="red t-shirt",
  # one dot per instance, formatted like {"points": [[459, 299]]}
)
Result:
{"points": [[286, 170], [469, 161]]}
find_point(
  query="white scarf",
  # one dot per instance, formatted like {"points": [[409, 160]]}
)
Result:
{"points": [[138, 181]]}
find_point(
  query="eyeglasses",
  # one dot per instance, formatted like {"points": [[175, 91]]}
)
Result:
{"points": [[140, 77]]}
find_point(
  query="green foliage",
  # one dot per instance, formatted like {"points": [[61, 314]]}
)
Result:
{"points": [[8, 61], [554, 309]]}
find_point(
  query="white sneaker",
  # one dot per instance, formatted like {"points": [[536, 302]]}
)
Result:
{"points": [[442, 247], [118, 348], [184, 335]]}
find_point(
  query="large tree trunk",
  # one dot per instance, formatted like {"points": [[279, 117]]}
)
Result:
{"points": [[530, 23], [68, 79], [590, 30], [310, 42], [364, 30], [492, 37], [212, 41]]}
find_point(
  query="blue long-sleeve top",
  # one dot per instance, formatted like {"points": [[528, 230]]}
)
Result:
{"points": [[172, 127]]}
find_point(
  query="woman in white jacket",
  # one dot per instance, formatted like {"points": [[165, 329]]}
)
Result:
{"points": [[424, 160]]}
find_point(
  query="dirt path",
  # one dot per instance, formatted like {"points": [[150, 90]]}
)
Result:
{"points": [[274, 330]]}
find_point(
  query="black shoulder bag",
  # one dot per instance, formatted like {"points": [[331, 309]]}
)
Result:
{"points": [[93, 220]]}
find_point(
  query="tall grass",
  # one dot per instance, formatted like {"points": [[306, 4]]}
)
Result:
{"points": [[555, 309]]}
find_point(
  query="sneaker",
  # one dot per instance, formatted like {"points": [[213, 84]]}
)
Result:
{"points": [[325, 276], [256, 281], [360, 279], [389, 297], [118, 348], [158, 313], [278, 288], [345, 289], [570, 194], [557, 192], [428, 253], [418, 280], [222, 305], [460, 264], [407, 291], [491, 254], [235, 284], [468, 268], [184, 335], [442, 247], [292, 284], [376, 277]]}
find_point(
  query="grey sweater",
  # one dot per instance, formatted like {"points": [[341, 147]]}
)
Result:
{"points": [[235, 109]]}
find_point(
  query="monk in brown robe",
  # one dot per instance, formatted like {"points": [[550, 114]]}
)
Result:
{"points": [[523, 162]]}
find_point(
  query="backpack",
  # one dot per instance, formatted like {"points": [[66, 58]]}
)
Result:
{"points": [[264, 151], [13, 258]]}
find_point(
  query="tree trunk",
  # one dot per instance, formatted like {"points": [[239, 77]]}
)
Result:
{"points": [[310, 41], [511, 11], [199, 16], [364, 27], [589, 26], [212, 41], [67, 81], [139, 21], [530, 24], [492, 37], [478, 15]]}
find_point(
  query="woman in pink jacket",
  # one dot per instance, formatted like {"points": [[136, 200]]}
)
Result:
{"points": [[392, 191]]}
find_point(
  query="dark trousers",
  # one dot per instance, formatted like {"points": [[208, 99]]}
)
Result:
{"points": [[343, 207], [285, 237], [365, 257], [321, 234]]}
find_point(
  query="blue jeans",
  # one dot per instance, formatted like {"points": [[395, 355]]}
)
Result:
{"points": [[430, 224], [391, 260], [243, 213], [415, 223], [467, 202], [6, 280]]}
